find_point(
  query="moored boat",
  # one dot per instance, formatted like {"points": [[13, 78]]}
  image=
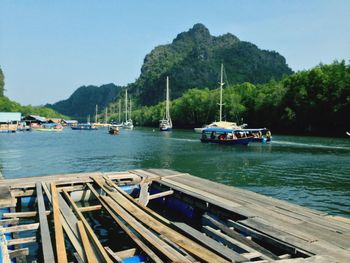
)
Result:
{"points": [[84, 127], [50, 127], [166, 124], [260, 135], [113, 129], [226, 136]]}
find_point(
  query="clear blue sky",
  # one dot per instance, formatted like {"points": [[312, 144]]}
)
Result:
{"points": [[50, 48]]}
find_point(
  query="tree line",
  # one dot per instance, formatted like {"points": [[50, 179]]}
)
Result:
{"points": [[315, 101]]}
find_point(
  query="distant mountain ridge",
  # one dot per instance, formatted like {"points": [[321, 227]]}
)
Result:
{"points": [[84, 100], [192, 60]]}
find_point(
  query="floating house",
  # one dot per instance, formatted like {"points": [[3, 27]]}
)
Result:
{"points": [[55, 120], [35, 121], [69, 122], [9, 121]]}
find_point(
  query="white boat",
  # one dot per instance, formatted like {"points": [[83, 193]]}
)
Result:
{"points": [[166, 124], [128, 123], [221, 123]]}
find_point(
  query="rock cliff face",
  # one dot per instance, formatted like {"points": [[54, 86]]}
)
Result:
{"points": [[193, 60]]}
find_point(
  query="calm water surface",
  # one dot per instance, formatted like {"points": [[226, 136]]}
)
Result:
{"points": [[310, 171]]}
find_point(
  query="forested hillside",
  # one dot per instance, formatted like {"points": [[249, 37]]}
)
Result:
{"points": [[315, 101], [84, 100]]}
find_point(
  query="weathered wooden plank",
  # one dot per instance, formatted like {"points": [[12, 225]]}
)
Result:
{"points": [[102, 252], [60, 246], [46, 244], [6, 199], [19, 252], [114, 255], [20, 241], [22, 214], [12, 221], [137, 241], [161, 228], [210, 243], [20, 228], [249, 243], [86, 243], [164, 248], [126, 253], [90, 208]]}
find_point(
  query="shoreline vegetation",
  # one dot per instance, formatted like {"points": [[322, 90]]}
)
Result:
{"points": [[308, 102]]}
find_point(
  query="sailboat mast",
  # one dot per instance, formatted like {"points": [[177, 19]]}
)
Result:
{"points": [[126, 105], [221, 85], [96, 113], [130, 110], [120, 109], [106, 116], [167, 113]]}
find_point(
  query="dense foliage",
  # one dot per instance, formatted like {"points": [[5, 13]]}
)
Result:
{"points": [[7, 105], [84, 100], [193, 60], [2, 83], [313, 101]]}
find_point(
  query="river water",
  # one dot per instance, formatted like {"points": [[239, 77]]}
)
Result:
{"points": [[310, 171]]}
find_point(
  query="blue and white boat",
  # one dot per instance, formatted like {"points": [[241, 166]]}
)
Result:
{"points": [[226, 136]]}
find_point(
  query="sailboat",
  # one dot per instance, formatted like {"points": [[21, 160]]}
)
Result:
{"points": [[221, 123], [165, 124], [128, 123]]}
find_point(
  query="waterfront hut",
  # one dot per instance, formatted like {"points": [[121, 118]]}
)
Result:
{"points": [[35, 120], [69, 122], [9, 121], [55, 120]]}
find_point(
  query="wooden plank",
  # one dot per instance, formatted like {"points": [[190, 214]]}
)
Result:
{"points": [[254, 246], [73, 236], [22, 214], [20, 228], [6, 199], [19, 252], [20, 241], [156, 225], [12, 221], [86, 243], [210, 243], [90, 208], [102, 252], [46, 244], [60, 246], [114, 255], [164, 248], [137, 241], [126, 253], [159, 195]]}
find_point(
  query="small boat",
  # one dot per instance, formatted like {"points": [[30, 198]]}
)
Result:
{"points": [[50, 127], [113, 129], [260, 135], [128, 123], [166, 124], [226, 136], [84, 127]]}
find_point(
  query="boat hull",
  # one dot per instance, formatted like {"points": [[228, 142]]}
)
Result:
{"points": [[243, 141], [165, 129]]}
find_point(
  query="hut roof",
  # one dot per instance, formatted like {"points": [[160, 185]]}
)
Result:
{"points": [[10, 116]]}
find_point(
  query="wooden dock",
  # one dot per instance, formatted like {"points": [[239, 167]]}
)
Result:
{"points": [[223, 224]]}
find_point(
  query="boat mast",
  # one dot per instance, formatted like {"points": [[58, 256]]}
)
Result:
{"points": [[120, 109], [167, 110], [126, 105], [130, 110], [106, 115], [221, 85], [96, 113]]}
